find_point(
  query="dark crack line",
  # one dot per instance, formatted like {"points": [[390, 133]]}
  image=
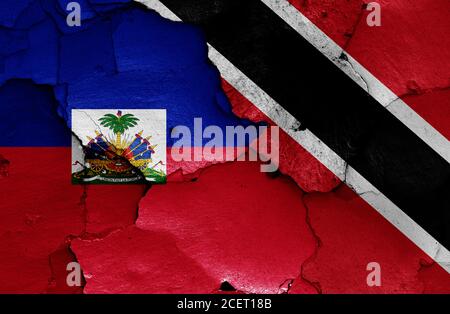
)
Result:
{"points": [[315, 284], [354, 28]]}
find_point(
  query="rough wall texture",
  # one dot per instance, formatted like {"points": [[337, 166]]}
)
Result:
{"points": [[408, 53], [301, 231]]}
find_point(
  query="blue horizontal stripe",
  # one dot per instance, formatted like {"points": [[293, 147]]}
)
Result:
{"points": [[125, 57]]}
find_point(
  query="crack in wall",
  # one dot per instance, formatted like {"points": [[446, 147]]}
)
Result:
{"points": [[315, 284], [343, 58], [83, 198], [4, 166], [354, 27]]}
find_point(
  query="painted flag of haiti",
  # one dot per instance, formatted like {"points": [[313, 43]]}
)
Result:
{"points": [[359, 199]]}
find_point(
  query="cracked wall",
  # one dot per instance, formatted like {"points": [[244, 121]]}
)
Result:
{"points": [[301, 231], [403, 53]]}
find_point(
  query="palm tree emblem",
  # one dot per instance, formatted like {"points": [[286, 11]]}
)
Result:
{"points": [[118, 124]]}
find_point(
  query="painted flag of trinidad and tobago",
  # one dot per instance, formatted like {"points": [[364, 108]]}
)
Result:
{"points": [[212, 146]]}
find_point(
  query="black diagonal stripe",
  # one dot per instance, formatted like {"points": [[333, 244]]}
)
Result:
{"points": [[328, 103]]}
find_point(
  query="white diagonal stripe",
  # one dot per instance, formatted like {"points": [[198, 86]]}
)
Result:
{"points": [[361, 76], [320, 150]]}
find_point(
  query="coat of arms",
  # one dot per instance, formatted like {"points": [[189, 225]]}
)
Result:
{"points": [[119, 146]]}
